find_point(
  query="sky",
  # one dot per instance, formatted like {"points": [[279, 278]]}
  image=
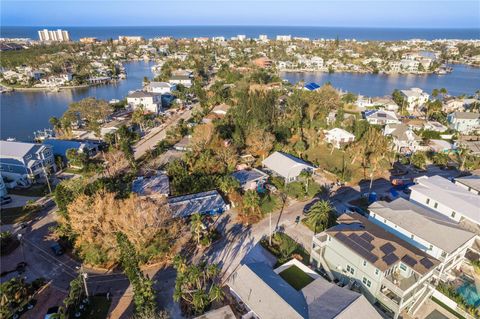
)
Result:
{"points": [[351, 13]]}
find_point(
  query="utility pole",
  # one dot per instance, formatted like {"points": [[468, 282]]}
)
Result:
{"points": [[20, 239], [46, 177], [84, 278]]}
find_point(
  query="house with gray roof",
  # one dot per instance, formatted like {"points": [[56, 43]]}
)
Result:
{"points": [[426, 229], [268, 296], [404, 138], [287, 166], [25, 162], [464, 122], [250, 178], [447, 198], [205, 203], [156, 184], [470, 183], [151, 102], [388, 269], [160, 87]]}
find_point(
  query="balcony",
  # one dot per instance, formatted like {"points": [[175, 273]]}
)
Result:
{"points": [[389, 300], [400, 284]]}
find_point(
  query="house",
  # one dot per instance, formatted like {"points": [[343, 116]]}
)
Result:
{"points": [[155, 184], [221, 109], [424, 228], [470, 183], [440, 146], [385, 102], [389, 270], [25, 162], [464, 122], [434, 126], [339, 137], [263, 62], [224, 312], [60, 147], [160, 87], [287, 166], [312, 86], [205, 203], [268, 296], [447, 198], [150, 101], [184, 144], [380, 117], [414, 98], [181, 79], [404, 139], [250, 178]]}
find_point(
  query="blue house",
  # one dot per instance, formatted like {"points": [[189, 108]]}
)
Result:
{"points": [[312, 86]]}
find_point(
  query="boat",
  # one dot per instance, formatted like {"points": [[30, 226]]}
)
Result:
{"points": [[42, 135]]}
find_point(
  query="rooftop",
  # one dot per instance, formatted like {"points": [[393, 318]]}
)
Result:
{"points": [[285, 164], [379, 247], [454, 196], [466, 115], [140, 94], [425, 223], [224, 312], [203, 203], [10, 149], [157, 184], [472, 181], [247, 175]]}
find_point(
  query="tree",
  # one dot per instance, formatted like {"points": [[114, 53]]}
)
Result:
{"points": [[76, 158], [75, 294], [144, 294], [418, 159], [440, 159], [115, 163], [13, 295], [349, 98], [259, 142], [196, 227], [196, 286], [319, 215]]}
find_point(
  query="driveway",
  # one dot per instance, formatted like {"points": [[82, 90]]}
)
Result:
{"points": [[18, 200]]}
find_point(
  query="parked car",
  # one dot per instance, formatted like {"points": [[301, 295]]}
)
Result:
{"points": [[57, 249]]}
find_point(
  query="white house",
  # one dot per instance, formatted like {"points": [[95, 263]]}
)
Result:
{"points": [[414, 98], [181, 79], [464, 122], [447, 198], [287, 166], [470, 183], [150, 101], [381, 117], [339, 137], [160, 87], [404, 138]]}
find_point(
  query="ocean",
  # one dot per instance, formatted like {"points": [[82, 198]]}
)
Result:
{"points": [[386, 34]]}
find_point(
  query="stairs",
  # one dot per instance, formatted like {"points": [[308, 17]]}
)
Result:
{"points": [[420, 300]]}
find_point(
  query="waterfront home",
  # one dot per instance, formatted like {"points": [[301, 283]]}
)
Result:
{"points": [[424, 228], [286, 166], [267, 295], [339, 137], [470, 183], [156, 184], [312, 86], [389, 270], [250, 179], [414, 98], [464, 122], [25, 162], [160, 87], [181, 79], [205, 203], [405, 140], [60, 147], [380, 117], [151, 102], [447, 198]]}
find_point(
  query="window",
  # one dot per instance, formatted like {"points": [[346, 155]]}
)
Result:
{"points": [[428, 201], [431, 247], [366, 282], [350, 269], [453, 215], [435, 205], [377, 272], [385, 221], [364, 263], [412, 237], [403, 267]]}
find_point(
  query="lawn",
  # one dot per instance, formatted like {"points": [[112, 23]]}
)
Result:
{"points": [[32, 191], [285, 248], [97, 309], [296, 277], [18, 214]]}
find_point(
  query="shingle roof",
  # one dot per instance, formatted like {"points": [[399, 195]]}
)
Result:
{"points": [[454, 196], [466, 115], [157, 184], [244, 175], [427, 224], [139, 94], [472, 181], [286, 165], [11, 149], [204, 202], [369, 241]]}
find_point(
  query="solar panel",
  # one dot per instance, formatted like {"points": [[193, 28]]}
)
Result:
{"points": [[382, 115], [360, 241], [427, 263], [387, 248], [356, 247], [367, 237], [409, 260], [390, 259]]}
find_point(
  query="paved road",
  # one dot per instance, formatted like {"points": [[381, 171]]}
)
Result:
{"points": [[149, 141]]}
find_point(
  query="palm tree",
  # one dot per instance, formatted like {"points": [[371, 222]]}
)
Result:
{"points": [[251, 201], [319, 215], [196, 226]]}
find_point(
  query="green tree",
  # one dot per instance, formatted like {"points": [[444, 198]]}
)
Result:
{"points": [[251, 201], [13, 295], [440, 159], [73, 299], [197, 227], [319, 215], [419, 160], [144, 294]]}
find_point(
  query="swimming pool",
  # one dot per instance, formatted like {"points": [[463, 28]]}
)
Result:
{"points": [[469, 292]]}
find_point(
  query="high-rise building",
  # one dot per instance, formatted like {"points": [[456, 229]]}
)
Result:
{"points": [[54, 35]]}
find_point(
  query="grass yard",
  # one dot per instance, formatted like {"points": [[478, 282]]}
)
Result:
{"points": [[17, 214], [97, 309], [284, 248], [32, 191], [296, 277]]}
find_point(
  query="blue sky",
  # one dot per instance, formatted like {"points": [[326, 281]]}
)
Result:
{"points": [[380, 13]]}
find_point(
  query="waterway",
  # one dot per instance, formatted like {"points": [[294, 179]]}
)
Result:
{"points": [[22, 113]]}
